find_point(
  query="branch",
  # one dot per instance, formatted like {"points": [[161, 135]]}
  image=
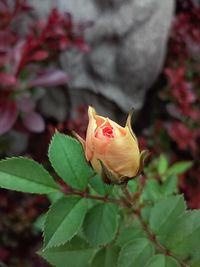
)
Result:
{"points": [[154, 240], [106, 199]]}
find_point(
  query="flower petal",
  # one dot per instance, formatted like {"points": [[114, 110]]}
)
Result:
{"points": [[123, 156], [90, 133]]}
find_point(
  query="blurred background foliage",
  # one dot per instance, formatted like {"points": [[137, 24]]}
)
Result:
{"points": [[168, 124]]}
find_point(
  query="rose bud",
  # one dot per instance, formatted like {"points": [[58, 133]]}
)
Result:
{"points": [[112, 150]]}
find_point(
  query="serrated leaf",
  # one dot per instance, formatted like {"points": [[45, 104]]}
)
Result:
{"points": [[99, 186], [184, 237], [64, 219], [26, 175], [67, 158], [162, 164], [165, 212], [136, 253], [76, 253], [100, 224], [179, 168], [162, 261], [106, 257]]}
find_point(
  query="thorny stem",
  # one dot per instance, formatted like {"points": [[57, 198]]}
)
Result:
{"points": [[154, 240], [140, 188], [127, 202], [106, 199], [131, 199]]}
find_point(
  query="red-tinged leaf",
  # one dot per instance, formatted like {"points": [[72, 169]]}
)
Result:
{"points": [[26, 104], [39, 55], [8, 114], [49, 78], [7, 80], [34, 122], [16, 55], [3, 59], [82, 45]]}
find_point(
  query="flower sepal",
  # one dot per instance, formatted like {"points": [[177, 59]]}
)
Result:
{"points": [[111, 178], [143, 158]]}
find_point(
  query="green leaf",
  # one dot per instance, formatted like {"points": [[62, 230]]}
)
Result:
{"points": [[170, 186], [195, 264], [128, 234], [106, 257], [132, 185], [76, 253], [39, 223], [179, 167], [195, 259], [151, 190], [100, 224], [162, 261], [165, 212], [64, 219], [25, 175], [184, 237], [136, 253], [67, 158], [99, 186], [53, 197], [162, 164]]}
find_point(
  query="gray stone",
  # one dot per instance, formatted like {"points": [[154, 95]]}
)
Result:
{"points": [[128, 45]]}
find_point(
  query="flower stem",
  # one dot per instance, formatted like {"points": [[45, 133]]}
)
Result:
{"points": [[106, 199]]}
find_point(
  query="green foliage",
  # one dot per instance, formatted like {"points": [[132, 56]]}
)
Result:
{"points": [[63, 220], [129, 233], [162, 164], [106, 257], [93, 224], [136, 253], [100, 224], [76, 253], [39, 223], [165, 213], [25, 175], [99, 186], [162, 261], [67, 158], [179, 167], [184, 237]]}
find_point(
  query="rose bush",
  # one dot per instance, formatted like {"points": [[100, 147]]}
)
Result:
{"points": [[111, 148]]}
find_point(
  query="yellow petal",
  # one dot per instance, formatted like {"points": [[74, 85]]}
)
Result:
{"points": [[128, 123], [90, 133], [122, 155]]}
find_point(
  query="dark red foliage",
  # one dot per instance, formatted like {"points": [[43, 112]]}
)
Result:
{"points": [[8, 114], [177, 127], [182, 70], [183, 136], [48, 39], [25, 60], [182, 92], [185, 36]]}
